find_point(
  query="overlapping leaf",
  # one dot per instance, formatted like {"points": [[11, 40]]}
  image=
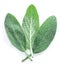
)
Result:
{"points": [[30, 25], [45, 35], [15, 32]]}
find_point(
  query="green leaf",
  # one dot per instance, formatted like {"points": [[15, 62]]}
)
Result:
{"points": [[15, 32], [45, 35], [30, 25]]}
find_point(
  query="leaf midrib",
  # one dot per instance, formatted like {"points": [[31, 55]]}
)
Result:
{"points": [[31, 36]]}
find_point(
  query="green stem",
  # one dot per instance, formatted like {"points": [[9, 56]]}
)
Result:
{"points": [[28, 55], [27, 58]]}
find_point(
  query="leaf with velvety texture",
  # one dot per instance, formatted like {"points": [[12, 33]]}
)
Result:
{"points": [[45, 35], [15, 32], [30, 25]]}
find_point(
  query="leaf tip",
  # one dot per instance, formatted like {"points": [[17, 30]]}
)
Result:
{"points": [[54, 17], [31, 6], [8, 14]]}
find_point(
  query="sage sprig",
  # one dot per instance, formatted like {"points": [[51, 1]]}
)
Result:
{"points": [[30, 36], [30, 25]]}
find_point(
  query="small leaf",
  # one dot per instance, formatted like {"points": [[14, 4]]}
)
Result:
{"points": [[45, 35], [15, 32], [30, 25]]}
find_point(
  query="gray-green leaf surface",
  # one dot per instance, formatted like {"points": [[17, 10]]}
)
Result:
{"points": [[30, 25], [15, 32], [30, 36], [45, 35]]}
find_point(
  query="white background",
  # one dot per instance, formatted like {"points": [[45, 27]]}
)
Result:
{"points": [[9, 55]]}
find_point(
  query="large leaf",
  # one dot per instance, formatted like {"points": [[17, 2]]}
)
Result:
{"points": [[15, 32], [30, 25], [45, 35]]}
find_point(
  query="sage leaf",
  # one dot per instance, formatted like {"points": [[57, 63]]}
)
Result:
{"points": [[30, 38], [45, 35], [30, 25], [15, 32]]}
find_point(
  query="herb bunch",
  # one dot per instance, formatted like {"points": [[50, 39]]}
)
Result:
{"points": [[30, 35]]}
